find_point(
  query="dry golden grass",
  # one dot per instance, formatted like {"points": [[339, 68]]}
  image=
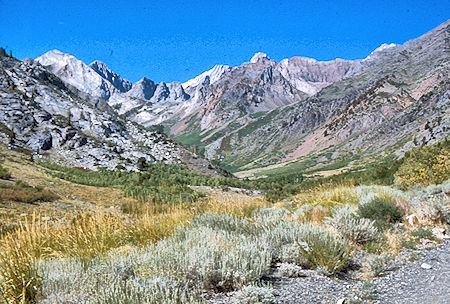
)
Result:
{"points": [[343, 194], [393, 243], [239, 204], [315, 216], [92, 230], [85, 237]]}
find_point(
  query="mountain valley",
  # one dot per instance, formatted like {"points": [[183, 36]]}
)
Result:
{"points": [[261, 118]]}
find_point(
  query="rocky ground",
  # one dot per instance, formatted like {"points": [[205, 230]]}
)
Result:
{"points": [[425, 280], [415, 276]]}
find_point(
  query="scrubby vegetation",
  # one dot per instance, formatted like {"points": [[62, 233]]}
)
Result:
{"points": [[169, 243], [22, 192], [255, 294], [425, 166], [350, 226], [381, 211], [4, 173], [138, 259], [170, 184]]}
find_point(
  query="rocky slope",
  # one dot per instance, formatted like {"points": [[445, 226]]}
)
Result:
{"points": [[39, 112]]}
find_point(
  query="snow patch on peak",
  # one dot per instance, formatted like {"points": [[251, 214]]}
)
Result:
{"points": [[56, 56], [258, 56], [213, 75], [384, 46], [55, 52], [379, 49]]}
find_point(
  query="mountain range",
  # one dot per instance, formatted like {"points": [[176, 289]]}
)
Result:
{"points": [[259, 117]]}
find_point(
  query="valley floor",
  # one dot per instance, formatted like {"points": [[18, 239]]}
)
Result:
{"points": [[65, 241]]}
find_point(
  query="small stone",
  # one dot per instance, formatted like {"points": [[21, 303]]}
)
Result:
{"points": [[341, 301], [412, 219], [440, 233], [425, 241], [426, 266], [429, 246]]}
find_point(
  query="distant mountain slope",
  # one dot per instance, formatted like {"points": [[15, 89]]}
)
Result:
{"points": [[39, 112], [258, 86], [396, 98]]}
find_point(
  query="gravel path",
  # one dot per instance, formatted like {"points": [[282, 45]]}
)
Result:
{"points": [[412, 282]]}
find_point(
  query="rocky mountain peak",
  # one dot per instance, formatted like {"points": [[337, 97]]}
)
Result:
{"points": [[213, 74], [384, 46], [259, 56], [143, 89], [77, 74], [381, 49], [116, 80]]}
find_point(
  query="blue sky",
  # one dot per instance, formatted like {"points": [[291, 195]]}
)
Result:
{"points": [[177, 40]]}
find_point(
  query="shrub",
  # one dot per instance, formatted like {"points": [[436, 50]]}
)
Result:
{"points": [[425, 166], [142, 164], [254, 295], [408, 243], [366, 294], [434, 208], [4, 173], [292, 254], [380, 264], [282, 234], [22, 192], [314, 214], [374, 247], [212, 259], [270, 215], [349, 226], [218, 222], [423, 233], [381, 211], [153, 292], [415, 256], [323, 249], [290, 270], [110, 280]]}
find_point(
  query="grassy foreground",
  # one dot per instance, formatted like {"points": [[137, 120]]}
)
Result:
{"points": [[99, 242]]}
